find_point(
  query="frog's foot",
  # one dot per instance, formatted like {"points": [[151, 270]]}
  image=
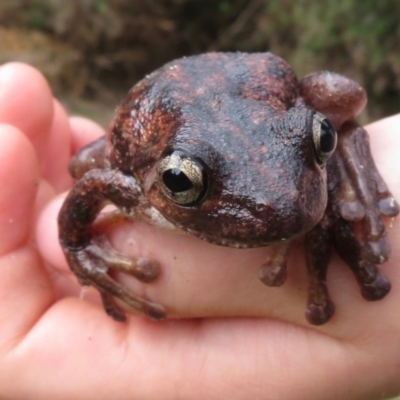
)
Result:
{"points": [[318, 250], [93, 264], [143, 269], [89, 253], [273, 271], [362, 195], [374, 285]]}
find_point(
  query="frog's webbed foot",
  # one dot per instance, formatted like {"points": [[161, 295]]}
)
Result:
{"points": [[89, 253]]}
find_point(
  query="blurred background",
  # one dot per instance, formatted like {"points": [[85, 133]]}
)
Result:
{"points": [[93, 51]]}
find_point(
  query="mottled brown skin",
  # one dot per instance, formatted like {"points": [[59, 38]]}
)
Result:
{"points": [[248, 122]]}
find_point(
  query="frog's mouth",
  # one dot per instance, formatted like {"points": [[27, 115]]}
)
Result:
{"points": [[237, 244], [259, 231]]}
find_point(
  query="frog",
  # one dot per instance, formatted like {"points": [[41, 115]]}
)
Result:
{"points": [[234, 149]]}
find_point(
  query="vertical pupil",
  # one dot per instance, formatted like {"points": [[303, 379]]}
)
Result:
{"points": [[176, 181]]}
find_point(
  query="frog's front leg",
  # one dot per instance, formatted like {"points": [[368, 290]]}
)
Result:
{"points": [[359, 200], [89, 254], [318, 250], [362, 194]]}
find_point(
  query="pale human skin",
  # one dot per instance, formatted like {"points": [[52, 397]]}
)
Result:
{"points": [[54, 345]]}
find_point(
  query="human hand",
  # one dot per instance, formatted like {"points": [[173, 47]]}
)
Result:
{"points": [[54, 346]]}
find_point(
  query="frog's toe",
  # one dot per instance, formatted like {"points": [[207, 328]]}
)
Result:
{"points": [[274, 271], [149, 309], [144, 269], [351, 210], [111, 308], [388, 205], [320, 313], [376, 289], [93, 270], [154, 311], [376, 251], [273, 275], [374, 285]]}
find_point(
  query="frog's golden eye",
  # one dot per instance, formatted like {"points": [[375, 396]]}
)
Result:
{"points": [[324, 137], [182, 178]]}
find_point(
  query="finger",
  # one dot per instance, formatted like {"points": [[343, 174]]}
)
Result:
{"points": [[47, 235], [385, 145], [204, 359], [84, 131], [58, 151], [26, 103], [19, 180], [24, 289]]}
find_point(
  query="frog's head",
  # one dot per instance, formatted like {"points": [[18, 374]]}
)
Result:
{"points": [[246, 182]]}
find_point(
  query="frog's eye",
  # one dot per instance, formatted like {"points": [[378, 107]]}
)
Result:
{"points": [[324, 137], [182, 178]]}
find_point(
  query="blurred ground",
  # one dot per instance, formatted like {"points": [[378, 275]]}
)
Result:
{"points": [[92, 51]]}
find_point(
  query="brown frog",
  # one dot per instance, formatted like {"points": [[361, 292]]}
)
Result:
{"points": [[234, 149]]}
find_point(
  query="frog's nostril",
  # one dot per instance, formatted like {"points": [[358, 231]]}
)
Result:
{"points": [[261, 207], [264, 207]]}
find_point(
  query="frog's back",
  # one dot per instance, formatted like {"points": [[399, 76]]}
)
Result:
{"points": [[186, 93], [258, 76]]}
